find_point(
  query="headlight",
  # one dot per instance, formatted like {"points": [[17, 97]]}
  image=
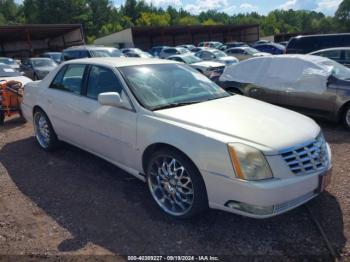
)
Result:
{"points": [[248, 162]]}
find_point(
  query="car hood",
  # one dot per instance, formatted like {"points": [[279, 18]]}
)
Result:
{"points": [[208, 64], [242, 119], [23, 79]]}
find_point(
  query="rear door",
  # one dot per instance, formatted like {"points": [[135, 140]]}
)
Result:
{"points": [[62, 98]]}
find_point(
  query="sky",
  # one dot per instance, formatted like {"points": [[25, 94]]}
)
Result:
{"points": [[231, 7], [328, 7]]}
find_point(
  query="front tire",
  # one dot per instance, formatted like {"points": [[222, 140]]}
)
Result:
{"points": [[44, 133], [346, 118], [175, 184]]}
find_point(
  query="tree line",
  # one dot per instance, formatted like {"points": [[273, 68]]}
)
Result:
{"points": [[101, 17]]}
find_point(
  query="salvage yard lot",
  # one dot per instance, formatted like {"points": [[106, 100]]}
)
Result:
{"points": [[71, 202]]}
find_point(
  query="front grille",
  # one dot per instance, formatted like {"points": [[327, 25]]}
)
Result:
{"points": [[307, 158]]}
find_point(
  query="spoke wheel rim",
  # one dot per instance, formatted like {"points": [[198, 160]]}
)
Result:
{"points": [[42, 131], [347, 117], [170, 185]]}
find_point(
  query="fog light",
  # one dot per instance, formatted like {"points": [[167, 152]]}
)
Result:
{"points": [[252, 209]]}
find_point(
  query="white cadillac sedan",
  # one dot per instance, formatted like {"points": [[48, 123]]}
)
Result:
{"points": [[195, 145]]}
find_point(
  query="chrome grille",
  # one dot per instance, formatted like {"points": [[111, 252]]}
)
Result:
{"points": [[307, 158]]}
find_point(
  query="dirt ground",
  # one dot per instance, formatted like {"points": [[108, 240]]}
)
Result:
{"points": [[69, 204]]}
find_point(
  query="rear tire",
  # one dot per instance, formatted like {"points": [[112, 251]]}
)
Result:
{"points": [[175, 184], [44, 132], [346, 117], [2, 118]]}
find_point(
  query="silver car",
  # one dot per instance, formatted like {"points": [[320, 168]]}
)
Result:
{"points": [[38, 68], [312, 85]]}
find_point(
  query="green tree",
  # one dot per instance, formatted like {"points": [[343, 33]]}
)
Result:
{"points": [[342, 15], [153, 19], [189, 20]]}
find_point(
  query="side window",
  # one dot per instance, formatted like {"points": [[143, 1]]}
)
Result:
{"points": [[347, 56], [69, 78], [69, 55], [84, 54], [333, 54], [102, 80], [57, 81]]}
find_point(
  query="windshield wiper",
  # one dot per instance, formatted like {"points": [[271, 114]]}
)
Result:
{"points": [[186, 103], [178, 104]]}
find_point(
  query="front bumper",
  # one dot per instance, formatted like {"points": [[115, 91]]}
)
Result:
{"points": [[275, 195]]}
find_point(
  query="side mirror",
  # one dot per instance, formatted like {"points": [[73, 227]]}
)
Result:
{"points": [[112, 99]]}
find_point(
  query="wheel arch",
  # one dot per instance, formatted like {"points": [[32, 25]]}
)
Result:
{"points": [[36, 108], [342, 109], [147, 153]]}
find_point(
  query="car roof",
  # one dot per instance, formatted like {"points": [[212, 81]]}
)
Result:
{"points": [[330, 49], [121, 61], [88, 47], [40, 58], [310, 58]]}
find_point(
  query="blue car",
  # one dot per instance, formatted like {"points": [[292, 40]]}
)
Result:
{"points": [[272, 48]]}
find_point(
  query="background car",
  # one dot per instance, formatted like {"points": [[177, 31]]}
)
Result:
{"points": [[211, 69], [306, 44], [7, 73], [156, 50], [338, 54], [169, 51], [189, 47], [314, 85], [197, 49], [271, 48], [210, 44], [38, 68], [243, 53], [135, 52], [211, 54], [131, 50], [231, 45], [140, 55], [87, 51], [10, 62], [55, 56]]}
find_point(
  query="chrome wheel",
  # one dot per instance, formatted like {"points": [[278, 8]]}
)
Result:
{"points": [[170, 185], [42, 129], [347, 117]]}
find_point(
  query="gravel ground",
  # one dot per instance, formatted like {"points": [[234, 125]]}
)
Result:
{"points": [[70, 204]]}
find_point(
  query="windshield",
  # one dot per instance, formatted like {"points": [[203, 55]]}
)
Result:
{"points": [[190, 59], [56, 56], [169, 85], [43, 62], [6, 71], [7, 61], [219, 54], [339, 71], [251, 50]]}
